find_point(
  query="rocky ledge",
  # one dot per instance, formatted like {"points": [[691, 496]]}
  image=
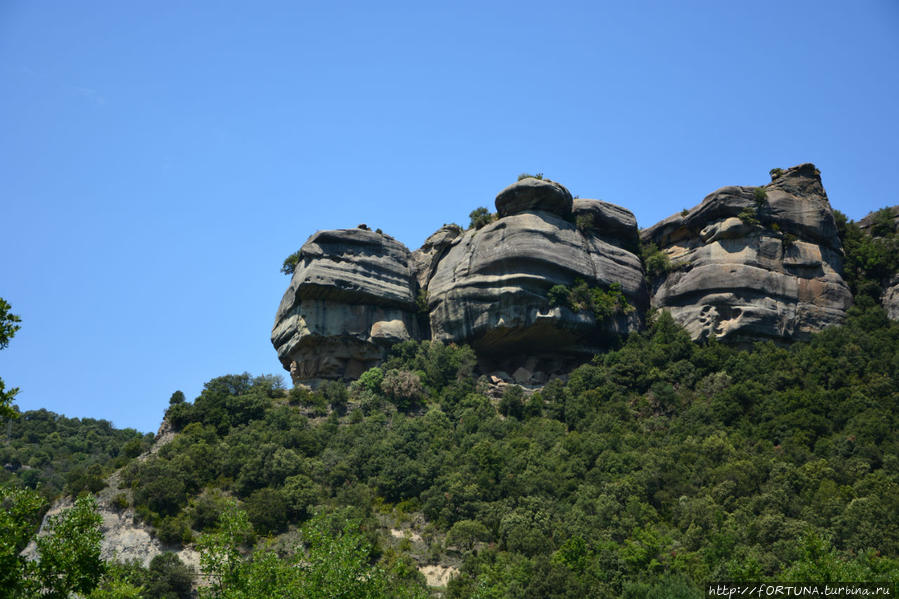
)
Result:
{"points": [[752, 263], [352, 295], [747, 263]]}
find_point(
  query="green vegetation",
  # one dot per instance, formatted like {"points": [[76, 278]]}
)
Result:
{"points": [[760, 195], [585, 222], [749, 216], [68, 555], [55, 454], [775, 173], [333, 560], [290, 263], [663, 464], [655, 468], [602, 303], [530, 176], [8, 327], [421, 302], [872, 258], [655, 261], [480, 217]]}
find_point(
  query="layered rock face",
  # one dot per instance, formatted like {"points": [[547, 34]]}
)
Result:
{"points": [[352, 295], [490, 287], [747, 266]]}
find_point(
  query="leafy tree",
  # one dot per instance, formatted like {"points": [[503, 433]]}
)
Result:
{"points": [[480, 217], [8, 328], [333, 561], [68, 554]]}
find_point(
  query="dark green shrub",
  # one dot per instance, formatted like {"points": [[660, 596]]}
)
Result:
{"points": [[749, 216], [775, 173], [169, 578], [336, 394], [173, 530], [511, 404], [267, 509], [655, 261], [403, 388], [529, 176], [290, 263], [602, 303], [585, 222], [788, 240], [480, 217]]}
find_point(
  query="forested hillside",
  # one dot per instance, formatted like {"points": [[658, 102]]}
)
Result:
{"points": [[663, 462], [656, 468], [54, 454]]}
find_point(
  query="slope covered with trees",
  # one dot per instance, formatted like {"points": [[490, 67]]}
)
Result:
{"points": [[662, 462], [55, 454]]}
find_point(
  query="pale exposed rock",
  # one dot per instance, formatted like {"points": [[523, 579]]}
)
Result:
{"points": [[437, 575], [737, 280], [125, 538], [891, 299], [531, 194], [351, 295]]}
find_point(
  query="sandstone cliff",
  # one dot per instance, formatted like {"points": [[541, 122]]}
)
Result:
{"points": [[745, 264], [754, 263], [490, 289], [352, 295]]}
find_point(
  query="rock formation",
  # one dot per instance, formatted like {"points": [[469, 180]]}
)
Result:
{"points": [[490, 290], [352, 295], [745, 264], [754, 263]]}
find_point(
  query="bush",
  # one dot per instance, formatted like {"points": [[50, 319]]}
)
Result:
{"points": [[267, 509], [169, 578], [336, 394], [585, 222], [174, 530], [529, 176], [655, 261], [775, 173], [511, 404], [480, 217], [290, 263], [788, 240], [749, 217], [602, 303], [403, 388]]}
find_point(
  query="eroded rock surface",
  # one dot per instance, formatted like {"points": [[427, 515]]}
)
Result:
{"points": [[749, 267], [533, 194], [351, 296], [490, 289]]}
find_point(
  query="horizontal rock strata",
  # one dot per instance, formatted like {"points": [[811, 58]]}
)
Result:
{"points": [[352, 295], [754, 263]]}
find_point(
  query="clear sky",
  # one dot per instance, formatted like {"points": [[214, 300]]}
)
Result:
{"points": [[159, 160]]}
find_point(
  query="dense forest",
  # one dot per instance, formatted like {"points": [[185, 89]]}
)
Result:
{"points": [[54, 454], [658, 467]]}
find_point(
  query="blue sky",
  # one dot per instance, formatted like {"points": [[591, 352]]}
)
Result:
{"points": [[158, 160]]}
